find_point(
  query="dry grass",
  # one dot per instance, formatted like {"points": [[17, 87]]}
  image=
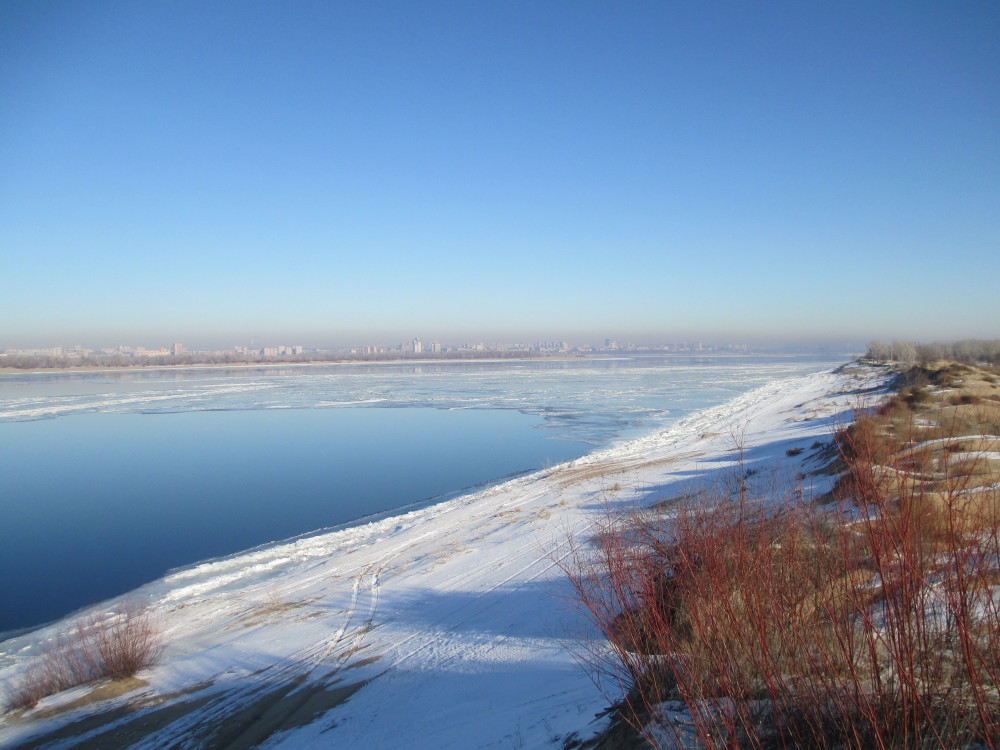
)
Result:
{"points": [[773, 625], [614, 467], [113, 647]]}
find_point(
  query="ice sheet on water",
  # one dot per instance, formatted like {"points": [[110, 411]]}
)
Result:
{"points": [[591, 400]]}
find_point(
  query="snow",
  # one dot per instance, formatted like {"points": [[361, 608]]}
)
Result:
{"points": [[974, 456], [939, 441], [977, 490], [444, 627]]}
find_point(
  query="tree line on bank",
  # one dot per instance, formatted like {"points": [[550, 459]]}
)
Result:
{"points": [[966, 351]]}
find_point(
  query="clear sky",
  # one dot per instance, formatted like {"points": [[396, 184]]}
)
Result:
{"points": [[354, 172]]}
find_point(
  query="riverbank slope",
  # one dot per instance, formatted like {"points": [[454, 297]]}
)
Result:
{"points": [[446, 627]]}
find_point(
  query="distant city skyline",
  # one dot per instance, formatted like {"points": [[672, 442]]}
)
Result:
{"points": [[417, 345], [334, 341], [342, 173]]}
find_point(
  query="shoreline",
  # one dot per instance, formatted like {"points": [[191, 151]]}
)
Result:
{"points": [[91, 369], [425, 614]]}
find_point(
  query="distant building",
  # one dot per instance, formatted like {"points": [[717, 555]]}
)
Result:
{"points": [[177, 349], [55, 351]]}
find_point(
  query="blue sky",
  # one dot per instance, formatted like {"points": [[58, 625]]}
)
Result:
{"points": [[332, 172]]}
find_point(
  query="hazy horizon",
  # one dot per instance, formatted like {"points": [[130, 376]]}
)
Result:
{"points": [[348, 173], [201, 343]]}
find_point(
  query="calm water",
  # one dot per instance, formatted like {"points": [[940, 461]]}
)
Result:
{"points": [[110, 479]]}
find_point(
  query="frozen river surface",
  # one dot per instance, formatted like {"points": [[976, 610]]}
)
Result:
{"points": [[112, 478]]}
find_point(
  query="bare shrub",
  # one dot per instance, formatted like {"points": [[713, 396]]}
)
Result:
{"points": [[114, 646], [779, 630], [773, 624], [125, 642], [65, 663]]}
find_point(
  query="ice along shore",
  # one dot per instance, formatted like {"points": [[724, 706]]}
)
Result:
{"points": [[444, 627]]}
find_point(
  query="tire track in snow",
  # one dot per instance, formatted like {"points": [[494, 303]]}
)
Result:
{"points": [[291, 675]]}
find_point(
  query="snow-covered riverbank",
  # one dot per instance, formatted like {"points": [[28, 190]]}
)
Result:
{"points": [[445, 627]]}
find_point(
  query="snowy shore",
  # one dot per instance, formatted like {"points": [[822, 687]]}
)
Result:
{"points": [[445, 627]]}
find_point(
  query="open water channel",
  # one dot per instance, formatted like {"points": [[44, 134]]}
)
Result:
{"points": [[109, 479]]}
